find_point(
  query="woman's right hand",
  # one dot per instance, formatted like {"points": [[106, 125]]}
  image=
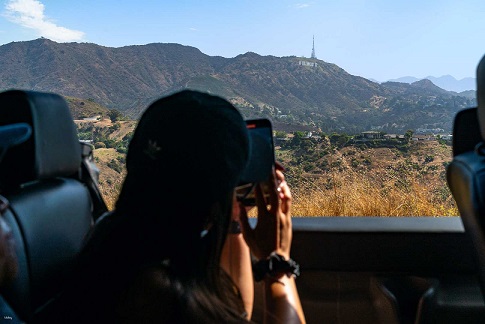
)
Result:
{"points": [[273, 232]]}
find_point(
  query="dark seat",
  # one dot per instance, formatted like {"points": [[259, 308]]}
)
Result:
{"points": [[466, 172], [50, 209]]}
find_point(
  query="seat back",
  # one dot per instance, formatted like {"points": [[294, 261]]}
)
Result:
{"points": [[466, 131], [466, 172], [50, 209]]}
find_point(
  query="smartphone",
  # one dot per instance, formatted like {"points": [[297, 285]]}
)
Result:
{"points": [[261, 161]]}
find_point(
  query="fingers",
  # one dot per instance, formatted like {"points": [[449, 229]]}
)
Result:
{"points": [[274, 189], [282, 183], [284, 192], [285, 196], [279, 175], [273, 230], [279, 166]]}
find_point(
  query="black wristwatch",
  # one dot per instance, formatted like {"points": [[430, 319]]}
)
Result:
{"points": [[275, 265]]}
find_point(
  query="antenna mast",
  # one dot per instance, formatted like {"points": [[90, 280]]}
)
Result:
{"points": [[313, 48]]}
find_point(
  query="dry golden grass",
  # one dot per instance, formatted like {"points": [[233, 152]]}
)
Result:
{"points": [[110, 181], [358, 194], [390, 186], [348, 193]]}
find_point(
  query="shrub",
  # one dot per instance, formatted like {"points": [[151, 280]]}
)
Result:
{"points": [[115, 165], [98, 145], [428, 159]]}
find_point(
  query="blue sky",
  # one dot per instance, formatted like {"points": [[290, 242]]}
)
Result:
{"points": [[378, 39]]}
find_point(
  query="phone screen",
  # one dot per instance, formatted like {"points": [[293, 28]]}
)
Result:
{"points": [[261, 162]]}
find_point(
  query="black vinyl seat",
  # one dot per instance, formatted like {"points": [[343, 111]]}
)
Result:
{"points": [[466, 172], [50, 210]]}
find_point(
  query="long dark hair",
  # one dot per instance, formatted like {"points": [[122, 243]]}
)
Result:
{"points": [[189, 264]]}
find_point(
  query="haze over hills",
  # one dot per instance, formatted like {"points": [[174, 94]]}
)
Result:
{"points": [[446, 82], [290, 90]]}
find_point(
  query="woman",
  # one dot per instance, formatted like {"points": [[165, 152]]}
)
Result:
{"points": [[157, 257]]}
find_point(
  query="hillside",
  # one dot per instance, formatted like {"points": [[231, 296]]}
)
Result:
{"points": [[332, 176], [329, 174], [110, 140], [81, 108], [291, 90]]}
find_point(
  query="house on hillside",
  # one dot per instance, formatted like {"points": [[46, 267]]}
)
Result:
{"points": [[94, 118], [428, 137], [393, 136], [371, 135]]}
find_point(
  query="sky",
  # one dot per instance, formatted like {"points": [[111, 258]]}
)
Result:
{"points": [[375, 39]]}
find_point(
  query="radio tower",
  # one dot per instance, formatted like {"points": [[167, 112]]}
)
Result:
{"points": [[313, 48]]}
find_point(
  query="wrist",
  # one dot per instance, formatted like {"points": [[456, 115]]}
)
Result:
{"points": [[274, 267], [279, 280]]}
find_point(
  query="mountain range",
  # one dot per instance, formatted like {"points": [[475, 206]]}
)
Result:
{"points": [[446, 82], [289, 90]]}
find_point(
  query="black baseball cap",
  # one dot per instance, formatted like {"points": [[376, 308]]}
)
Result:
{"points": [[189, 140]]}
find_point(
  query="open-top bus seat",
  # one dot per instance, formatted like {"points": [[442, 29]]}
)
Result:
{"points": [[466, 172], [466, 131], [50, 209]]}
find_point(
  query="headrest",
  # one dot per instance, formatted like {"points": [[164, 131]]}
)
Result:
{"points": [[481, 95], [52, 150], [466, 131]]}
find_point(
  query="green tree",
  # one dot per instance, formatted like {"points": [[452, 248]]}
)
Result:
{"points": [[299, 134], [280, 134], [408, 135], [115, 115], [99, 145], [339, 139]]}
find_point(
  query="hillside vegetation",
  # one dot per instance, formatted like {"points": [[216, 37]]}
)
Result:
{"points": [[362, 181], [330, 175], [85, 108]]}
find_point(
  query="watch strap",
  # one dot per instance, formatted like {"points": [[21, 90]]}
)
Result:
{"points": [[275, 265], [235, 227]]}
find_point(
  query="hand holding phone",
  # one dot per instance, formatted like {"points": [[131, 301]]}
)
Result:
{"points": [[273, 230]]}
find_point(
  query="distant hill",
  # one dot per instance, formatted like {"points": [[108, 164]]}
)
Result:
{"points": [[472, 94], [290, 90], [446, 82]]}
